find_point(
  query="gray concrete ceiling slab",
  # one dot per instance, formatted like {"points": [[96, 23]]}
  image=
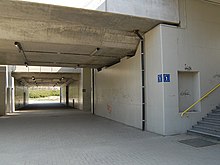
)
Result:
{"points": [[63, 36], [45, 79]]}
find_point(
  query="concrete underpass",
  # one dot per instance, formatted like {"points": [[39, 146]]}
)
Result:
{"points": [[128, 73]]}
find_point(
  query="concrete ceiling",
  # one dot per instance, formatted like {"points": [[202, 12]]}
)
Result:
{"points": [[45, 79], [62, 36]]}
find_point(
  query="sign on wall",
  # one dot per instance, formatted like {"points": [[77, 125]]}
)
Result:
{"points": [[159, 78], [163, 78]]}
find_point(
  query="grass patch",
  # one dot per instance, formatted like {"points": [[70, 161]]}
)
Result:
{"points": [[43, 93]]}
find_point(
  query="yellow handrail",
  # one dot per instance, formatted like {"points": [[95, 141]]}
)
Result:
{"points": [[208, 93]]}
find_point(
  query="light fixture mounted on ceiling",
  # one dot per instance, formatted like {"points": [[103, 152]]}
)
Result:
{"points": [[94, 52], [18, 46], [20, 50]]}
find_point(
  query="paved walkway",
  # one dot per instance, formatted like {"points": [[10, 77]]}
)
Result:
{"points": [[70, 137]]}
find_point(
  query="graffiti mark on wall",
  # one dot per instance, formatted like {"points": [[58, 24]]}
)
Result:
{"points": [[187, 67], [185, 93], [109, 108], [216, 76]]}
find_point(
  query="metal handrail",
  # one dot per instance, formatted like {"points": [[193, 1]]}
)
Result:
{"points": [[207, 94]]}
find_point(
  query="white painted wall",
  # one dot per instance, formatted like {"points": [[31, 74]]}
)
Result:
{"points": [[154, 90], [82, 99], [198, 46], [118, 92], [19, 91]]}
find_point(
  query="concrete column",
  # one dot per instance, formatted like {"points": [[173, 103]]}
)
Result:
{"points": [[9, 99], [67, 95], [13, 96], [86, 76], [9, 89], [2, 90]]}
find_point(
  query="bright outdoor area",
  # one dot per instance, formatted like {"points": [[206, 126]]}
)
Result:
{"points": [[44, 94]]}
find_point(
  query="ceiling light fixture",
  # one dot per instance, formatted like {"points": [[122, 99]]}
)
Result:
{"points": [[94, 52], [26, 64], [20, 49], [18, 46]]}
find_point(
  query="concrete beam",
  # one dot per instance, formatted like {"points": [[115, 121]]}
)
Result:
{"points": [[28, 75], [47, 32], [54, 35], [164, 10], [45, 79]]}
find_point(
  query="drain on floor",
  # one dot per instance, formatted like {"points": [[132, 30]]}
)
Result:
{"points": [[197, 142]]}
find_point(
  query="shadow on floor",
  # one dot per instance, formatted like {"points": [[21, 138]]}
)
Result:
{"points": [[45, 106]]}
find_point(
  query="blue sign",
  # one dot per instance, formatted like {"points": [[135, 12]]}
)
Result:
{"points": [[163, 78], [166, 77], [159, 78]]}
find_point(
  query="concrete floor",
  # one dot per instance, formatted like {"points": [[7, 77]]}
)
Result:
{"points": [[62, 136]]}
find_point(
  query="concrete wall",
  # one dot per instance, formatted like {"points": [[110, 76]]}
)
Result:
{"points": [[2, 90], [63, 94], [118, 92], [21, 95], [178, 49], [74, 93], [86, 91], [169, 50], [166, 10], [80, 91], [154, 90], [196, 46]]}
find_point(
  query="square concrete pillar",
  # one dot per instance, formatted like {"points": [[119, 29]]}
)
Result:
{"points": [[2, 90], [86, 91]]}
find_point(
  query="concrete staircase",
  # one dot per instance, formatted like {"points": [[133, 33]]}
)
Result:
{"points": [[209, 125]]}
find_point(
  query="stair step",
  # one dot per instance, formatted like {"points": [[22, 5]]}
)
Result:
{"points": [[216, 111], [216, 115], [216, 120], [209, 123], [207, 128], [204, 133]]}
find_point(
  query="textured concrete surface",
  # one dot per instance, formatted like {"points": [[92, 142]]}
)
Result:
{"points": [[45, 79], [60, 136], [62, 36]]}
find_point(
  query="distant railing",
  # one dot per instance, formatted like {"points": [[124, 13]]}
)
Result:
{"points": [[206, 95]]}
